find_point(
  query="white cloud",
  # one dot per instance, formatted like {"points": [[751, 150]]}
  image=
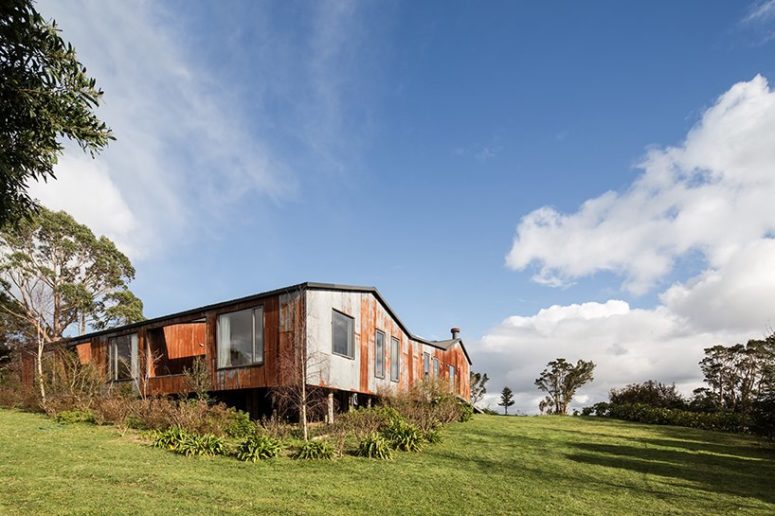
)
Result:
{"points": [[712, 195], [627, 345]]}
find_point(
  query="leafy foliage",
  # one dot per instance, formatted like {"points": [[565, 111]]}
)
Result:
{"points": [[241, 426], [374, 446], [466, 412], [402, 435], [45, 94], [315, 450], [258, 447], [180, 441], [651, 393], [560, 380], [433, 436], [56, 273], [478, 383], [197, 379], [75, 416], [720, 421]]}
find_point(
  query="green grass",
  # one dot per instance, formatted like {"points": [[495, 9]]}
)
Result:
{"points": [[489, 465]]}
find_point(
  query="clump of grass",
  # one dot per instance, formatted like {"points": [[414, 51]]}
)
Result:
{"points": [[375, 446], [315, 450], [258, 447]]}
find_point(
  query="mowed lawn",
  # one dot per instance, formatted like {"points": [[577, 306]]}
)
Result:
{"points": [[492, 465]]}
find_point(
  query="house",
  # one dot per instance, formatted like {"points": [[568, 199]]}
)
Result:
{"points": [[355, 348]]}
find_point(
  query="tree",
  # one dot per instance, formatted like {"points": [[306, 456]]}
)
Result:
{"points": [[561, 379], [478, 386], [301, 370], [56, 275], [654, 394], [45, 95], [507, 400]]}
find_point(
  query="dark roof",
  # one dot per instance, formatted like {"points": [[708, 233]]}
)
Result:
{"points": [[310, 285]]}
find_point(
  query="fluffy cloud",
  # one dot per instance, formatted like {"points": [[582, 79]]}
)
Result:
{"points": [[626, 344], [711, 195]]}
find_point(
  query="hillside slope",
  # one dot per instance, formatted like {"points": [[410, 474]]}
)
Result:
{"points": [[490, 465]]}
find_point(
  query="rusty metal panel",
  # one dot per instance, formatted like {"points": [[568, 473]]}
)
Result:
{"points": [[84, 352]]}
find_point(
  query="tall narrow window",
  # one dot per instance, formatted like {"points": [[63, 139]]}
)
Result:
{"points": [[436, 368], [241, 338], [452, 378], [123, 358], [426, 364], [379, 355], [395, 359], [343, 329]]}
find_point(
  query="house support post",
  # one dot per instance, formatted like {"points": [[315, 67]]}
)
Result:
{"points": [[330, 417]]}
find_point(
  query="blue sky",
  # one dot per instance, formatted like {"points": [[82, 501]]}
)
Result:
{"points": [[401, 144]]}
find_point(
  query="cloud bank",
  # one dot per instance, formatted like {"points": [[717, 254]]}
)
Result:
{"points": [[711, 196]]}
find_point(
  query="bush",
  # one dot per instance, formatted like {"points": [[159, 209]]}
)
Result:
{"points": [[75, 416], [180, 441], [433, 436], [241, 426], [315, 450], [403, 436], [719, 421], [598, 409], [258, 447], [427, 404], [374, 446], [276, 428], [466, 412]]}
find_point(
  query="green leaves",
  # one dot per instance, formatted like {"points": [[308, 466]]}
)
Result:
{"points": [[560, 380], [45, 94], [258, 447], [59, 273]]}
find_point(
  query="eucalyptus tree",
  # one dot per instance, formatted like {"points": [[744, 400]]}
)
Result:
{"points": [[560, 380], [57, 276]]}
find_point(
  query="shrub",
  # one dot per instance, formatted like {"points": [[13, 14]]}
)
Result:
{"points": [[197, 379], [427, 404], [433, 436], [598, 409], [180, 441], [276, 428], [241, 426], [466, 412], [403, 436], [315, 450], [75, 416], [374, 446], [720, 421], [258, 447]]}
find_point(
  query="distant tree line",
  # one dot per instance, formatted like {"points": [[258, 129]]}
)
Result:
{"points": [[738, 396]]}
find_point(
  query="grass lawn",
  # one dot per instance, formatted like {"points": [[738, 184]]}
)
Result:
{"points": [[490, 465]]}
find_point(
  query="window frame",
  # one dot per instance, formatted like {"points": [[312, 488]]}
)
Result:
{"points": [[435, 367], [377, 354], [452, 372], [134, 357], [351, 339], [254, 362], [395, 358], [426, 365]]}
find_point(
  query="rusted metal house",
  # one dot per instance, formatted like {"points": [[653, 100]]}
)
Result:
{"points": [[354, 344]]}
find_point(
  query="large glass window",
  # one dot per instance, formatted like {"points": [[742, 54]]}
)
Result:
{"points": [[395, 359], [436, 368], [241, 338], [123, 358], [343, 328], [379, 355], [426, 364]]}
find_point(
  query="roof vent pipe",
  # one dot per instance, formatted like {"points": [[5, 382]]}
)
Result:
{"points": [[455, 333]]}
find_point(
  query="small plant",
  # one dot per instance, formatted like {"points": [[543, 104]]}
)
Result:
{"points": [[433, 436], [258, 447], [315, 450], [374, 446], [178, 440], [241, 426], [404, 436], [466, 412], [197, 379], [75, 416]]}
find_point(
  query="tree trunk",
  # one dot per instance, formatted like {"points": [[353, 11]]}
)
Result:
{"points": [[40, 370], [304, 409]]}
